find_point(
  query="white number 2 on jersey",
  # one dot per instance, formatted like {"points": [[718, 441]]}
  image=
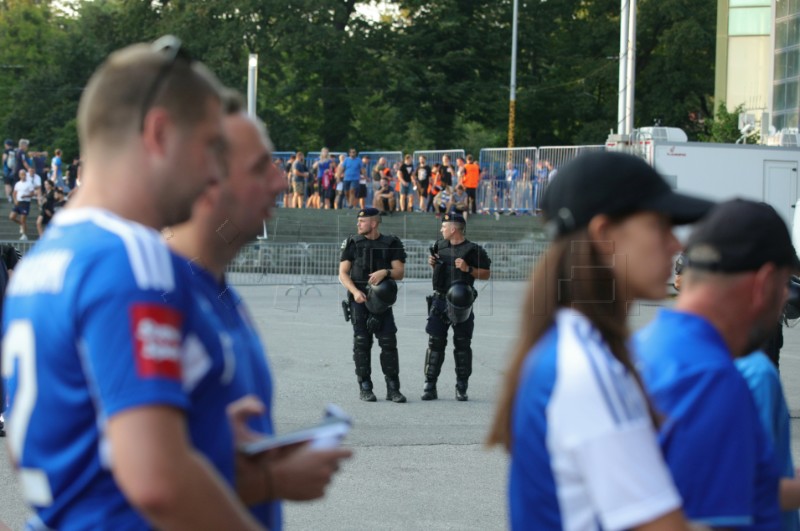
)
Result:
{"points": [[19, 349]]}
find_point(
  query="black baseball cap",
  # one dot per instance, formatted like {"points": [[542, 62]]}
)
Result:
{"points": [[9, 142], [739, 236], [368, 212], [455, 218], [612, 183]]}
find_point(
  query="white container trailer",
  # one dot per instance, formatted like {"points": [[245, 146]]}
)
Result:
{"points": [[725, 171]]}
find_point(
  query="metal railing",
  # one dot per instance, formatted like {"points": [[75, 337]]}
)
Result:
{"points": [[310, 264], [303, 266]]}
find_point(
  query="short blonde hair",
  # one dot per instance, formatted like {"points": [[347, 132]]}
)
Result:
{"points": [[111, 107]]}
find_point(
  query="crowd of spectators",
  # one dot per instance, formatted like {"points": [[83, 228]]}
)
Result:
{"points": [[350, 181], [33, 179]]}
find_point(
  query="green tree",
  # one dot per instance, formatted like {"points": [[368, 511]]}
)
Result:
{"points": [[675, 63], [724, 127], [434, 76]]}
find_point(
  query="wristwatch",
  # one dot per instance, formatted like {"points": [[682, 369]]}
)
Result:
{"points": [[388, 273]]}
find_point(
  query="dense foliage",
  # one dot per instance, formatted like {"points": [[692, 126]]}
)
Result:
{"points": [[433, 74]]}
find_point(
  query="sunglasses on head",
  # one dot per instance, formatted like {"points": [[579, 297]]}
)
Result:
{"points": [[170, 46]]}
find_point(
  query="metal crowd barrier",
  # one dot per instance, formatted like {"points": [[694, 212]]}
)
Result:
{"points": [[496, 196], [531, 169], [303, 266], [508, 183], [550, 159]]}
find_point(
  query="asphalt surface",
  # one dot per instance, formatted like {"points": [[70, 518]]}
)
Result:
{"points": [[419, 465]]}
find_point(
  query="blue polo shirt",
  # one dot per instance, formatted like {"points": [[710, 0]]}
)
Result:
{"points": [[711, 437], [352, 169], [765, 384], [227, 331]]}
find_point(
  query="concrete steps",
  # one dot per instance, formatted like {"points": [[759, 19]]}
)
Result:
{"points": [[333, 226], [326, 226]]}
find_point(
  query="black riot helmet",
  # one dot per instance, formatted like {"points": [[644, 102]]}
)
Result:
{"points": [[460, 297], [380, 297]]}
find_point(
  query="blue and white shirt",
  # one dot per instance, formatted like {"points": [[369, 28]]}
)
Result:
{"points": [[712, 439], [584, 450], [95, 324]]}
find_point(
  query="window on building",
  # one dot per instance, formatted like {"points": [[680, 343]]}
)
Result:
{"points": [[779, 98], [791, 95], [749, 21], [792, 66]]}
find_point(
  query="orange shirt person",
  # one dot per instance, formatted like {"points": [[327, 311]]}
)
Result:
{"points": [[471, 180]]}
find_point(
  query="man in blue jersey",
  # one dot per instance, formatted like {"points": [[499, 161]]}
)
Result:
{"points": [[223, 220], [351, 167], [733, 288], [104, 386]]}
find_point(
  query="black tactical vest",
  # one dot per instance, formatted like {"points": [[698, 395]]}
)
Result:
{"points": [[445, 273], [370, 256]]}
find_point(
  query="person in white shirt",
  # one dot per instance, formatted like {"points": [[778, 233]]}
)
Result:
{"points": [[36, 181], [24, 190]]}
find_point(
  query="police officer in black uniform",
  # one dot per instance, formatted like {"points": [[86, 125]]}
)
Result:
{"points": [[370, 262], [456, 263]]}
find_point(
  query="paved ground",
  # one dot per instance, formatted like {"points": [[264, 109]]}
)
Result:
{"points": [[417, 465]]}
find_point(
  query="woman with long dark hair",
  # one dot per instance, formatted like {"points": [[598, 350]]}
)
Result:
{"points": [[572, 412]]}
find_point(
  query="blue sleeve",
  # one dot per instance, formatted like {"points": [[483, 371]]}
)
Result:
{"points": [[712, 448], [767, 396], [131, 343]]}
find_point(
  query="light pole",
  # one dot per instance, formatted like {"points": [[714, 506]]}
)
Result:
{"points": [[623, 65], [631, 74], [252, 79], [512, 99]]}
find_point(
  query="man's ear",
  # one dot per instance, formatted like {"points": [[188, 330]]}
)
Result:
{"points": [[154, 132], [762, 287]]}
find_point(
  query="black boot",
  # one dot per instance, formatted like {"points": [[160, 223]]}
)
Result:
{"points": [[391, 367], [365, 392], [434, 358], [429, 393], [462, 355], [393, 391], [461, 391], [362, 345]]}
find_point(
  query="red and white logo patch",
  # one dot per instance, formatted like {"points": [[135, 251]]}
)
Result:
{"points": [[157, 341]]}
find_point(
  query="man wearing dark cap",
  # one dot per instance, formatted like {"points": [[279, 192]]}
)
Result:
{"points": [[734, 286], [369, 260], [456, 263]]}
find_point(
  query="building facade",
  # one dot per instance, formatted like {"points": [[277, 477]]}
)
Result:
{"points": [[745, 54], [786, 74]]}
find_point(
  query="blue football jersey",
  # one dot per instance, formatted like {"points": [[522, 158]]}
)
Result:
{"points": [[224, 315], [584, 453], [97, 322]]}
